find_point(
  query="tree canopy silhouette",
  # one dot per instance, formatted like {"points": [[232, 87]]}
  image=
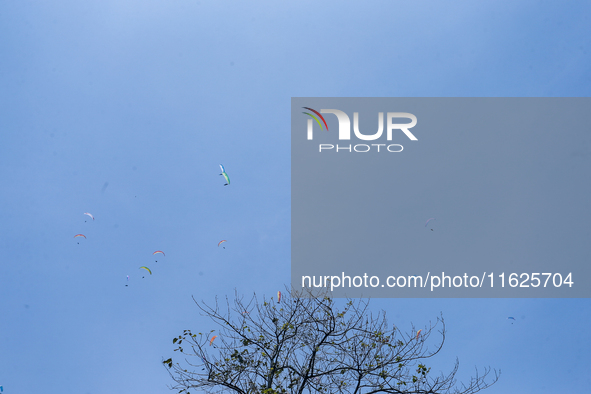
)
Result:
{"points": [[308, 344]]}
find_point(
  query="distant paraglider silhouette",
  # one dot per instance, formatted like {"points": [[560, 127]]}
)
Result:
{"points": [[225, 175]]}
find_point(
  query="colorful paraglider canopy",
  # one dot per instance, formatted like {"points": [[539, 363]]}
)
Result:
{"points": [[418, 333], [212, 339], [278, 297], [86, 213], [428, 220], [225, 175], [147, 269], [227, 178], [79, 235], [221, 242], [158, 251]]}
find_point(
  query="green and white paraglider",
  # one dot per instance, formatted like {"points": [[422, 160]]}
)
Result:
{"points": [[225, 175]]}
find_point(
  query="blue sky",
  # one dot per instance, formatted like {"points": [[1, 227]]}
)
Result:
{"points": [[125, 109]]}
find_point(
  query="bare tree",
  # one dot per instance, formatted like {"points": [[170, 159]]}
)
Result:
{"points": [[306, 344]]}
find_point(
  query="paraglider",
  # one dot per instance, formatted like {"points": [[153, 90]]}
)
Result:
{"points": [[92, 217], [127, 281], [418, 333], [147, 269], [227, 179], [225, 175], [278, 297], [221, 242], [511, 318], [212, 339], [158, 251], [428, 220]]}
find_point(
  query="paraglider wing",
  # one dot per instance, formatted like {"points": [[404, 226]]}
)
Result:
{"points": [[86, 213], [418, 333], [511, 318], [79, 235], [223, 169], [428, 220], [227, 178], [278, 297], [147, 269], [212, 339], [222, 241], [158, 251]]}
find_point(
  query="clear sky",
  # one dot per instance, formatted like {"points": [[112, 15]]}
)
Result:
{"points": [[125, 109]]}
